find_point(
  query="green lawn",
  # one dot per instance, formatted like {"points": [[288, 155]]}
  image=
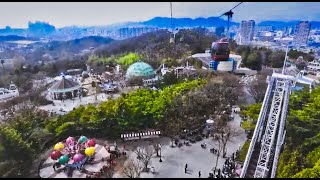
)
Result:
{"points": [[244, 150]]}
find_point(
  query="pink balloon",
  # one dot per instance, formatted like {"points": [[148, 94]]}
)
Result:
{"points": [[70, 140], [78, 157], [91, 143]]}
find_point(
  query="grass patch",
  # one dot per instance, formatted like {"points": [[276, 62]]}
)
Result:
{"points": [[243, 151]]}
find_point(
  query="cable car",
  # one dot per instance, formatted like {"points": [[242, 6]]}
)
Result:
{"points": [[220, 50]]}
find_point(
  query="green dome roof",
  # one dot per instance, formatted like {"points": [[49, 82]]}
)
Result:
{"points": [[140, 69]]}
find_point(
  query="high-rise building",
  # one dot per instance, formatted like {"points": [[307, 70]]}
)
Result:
{"points": [[246, 31], [301, 34], [128, 32]]}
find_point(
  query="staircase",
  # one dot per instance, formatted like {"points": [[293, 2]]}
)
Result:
{"points": [[253, 163]]}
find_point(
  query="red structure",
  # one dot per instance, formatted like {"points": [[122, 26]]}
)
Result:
{"points": [[220, 50]]}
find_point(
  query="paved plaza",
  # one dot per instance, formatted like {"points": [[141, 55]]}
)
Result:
{"points": [[68, 104], [197, 158]]}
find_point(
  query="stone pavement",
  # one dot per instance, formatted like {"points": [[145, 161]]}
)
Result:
{"points": [[197, 158], [69, 104]]}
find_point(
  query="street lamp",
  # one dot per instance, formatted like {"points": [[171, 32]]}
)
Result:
{"points": [[160, 153], [172, 140]]}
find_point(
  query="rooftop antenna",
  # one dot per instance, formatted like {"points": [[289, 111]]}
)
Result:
{"points": [[229, 15]]}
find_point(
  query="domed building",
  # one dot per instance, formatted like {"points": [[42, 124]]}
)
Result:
{"points": [[140, 69]]}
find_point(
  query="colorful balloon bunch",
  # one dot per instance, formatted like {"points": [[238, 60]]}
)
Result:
{"points": [[63, 158]]}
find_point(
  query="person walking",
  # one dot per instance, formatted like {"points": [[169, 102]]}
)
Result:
{"points": [[199, 174], [185, 168]]}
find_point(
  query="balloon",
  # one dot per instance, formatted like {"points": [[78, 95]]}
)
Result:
{"points": [[63, 159], [89, 151], [58, 146], [78, 157], [82, 139], [91, 143], [55, 155], [69, 140]]}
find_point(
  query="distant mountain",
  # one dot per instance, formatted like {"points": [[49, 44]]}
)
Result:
{"points": [[15, 38], [165, 22], [61, 50], [76, 45]]}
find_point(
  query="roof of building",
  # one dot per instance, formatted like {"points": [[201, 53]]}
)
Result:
{"points": [[64, 85], [140, 69]]}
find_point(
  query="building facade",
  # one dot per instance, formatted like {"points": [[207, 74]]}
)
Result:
{"points": [[247, 31], [128, 32], [302, 31]]}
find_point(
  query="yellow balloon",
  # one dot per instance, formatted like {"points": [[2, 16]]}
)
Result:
{"points": [[89, 151], [58, 146]]}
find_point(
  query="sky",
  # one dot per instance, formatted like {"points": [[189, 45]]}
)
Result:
{"points": [[61, 14]]}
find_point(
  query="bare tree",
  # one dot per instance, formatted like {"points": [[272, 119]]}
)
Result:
{"points": [[223, 133], [144, 154], [131, 169], [156, 146], [257, 88]]}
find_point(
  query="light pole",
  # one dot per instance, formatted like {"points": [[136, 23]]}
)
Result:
{"points": [[172, 140], [160, 153], [285, 58]]}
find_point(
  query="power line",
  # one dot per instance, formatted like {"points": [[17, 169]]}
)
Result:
{"points": [[231, 10]]}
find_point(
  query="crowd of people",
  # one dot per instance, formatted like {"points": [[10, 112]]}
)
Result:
{"points": [[228, 168]]}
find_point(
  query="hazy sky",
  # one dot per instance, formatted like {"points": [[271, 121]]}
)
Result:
{"points": [[59, 14]]}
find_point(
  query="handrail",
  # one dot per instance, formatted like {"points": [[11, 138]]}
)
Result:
{"points": [[259, 123], [281, 131]]}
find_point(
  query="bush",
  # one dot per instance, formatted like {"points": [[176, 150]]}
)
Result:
{"points": [[244, 151]]}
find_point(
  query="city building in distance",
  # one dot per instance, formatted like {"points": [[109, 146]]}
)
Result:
{"points": [[302, 31], [246, 31]]}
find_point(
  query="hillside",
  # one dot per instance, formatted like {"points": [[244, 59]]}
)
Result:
{"points": [[62, 50]]}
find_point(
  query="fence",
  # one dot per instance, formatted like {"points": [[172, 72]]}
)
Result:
{"points": [[141, 135]]}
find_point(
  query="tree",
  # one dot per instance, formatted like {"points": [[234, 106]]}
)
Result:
{"points": [[135, 81], [2, 62], [131, 169], [301, 65], [276, 59], [250, 115], [223, 133], [168, 79], [254, 61], [93, 84], [156, 146], [144, 154], [257, 88]]}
